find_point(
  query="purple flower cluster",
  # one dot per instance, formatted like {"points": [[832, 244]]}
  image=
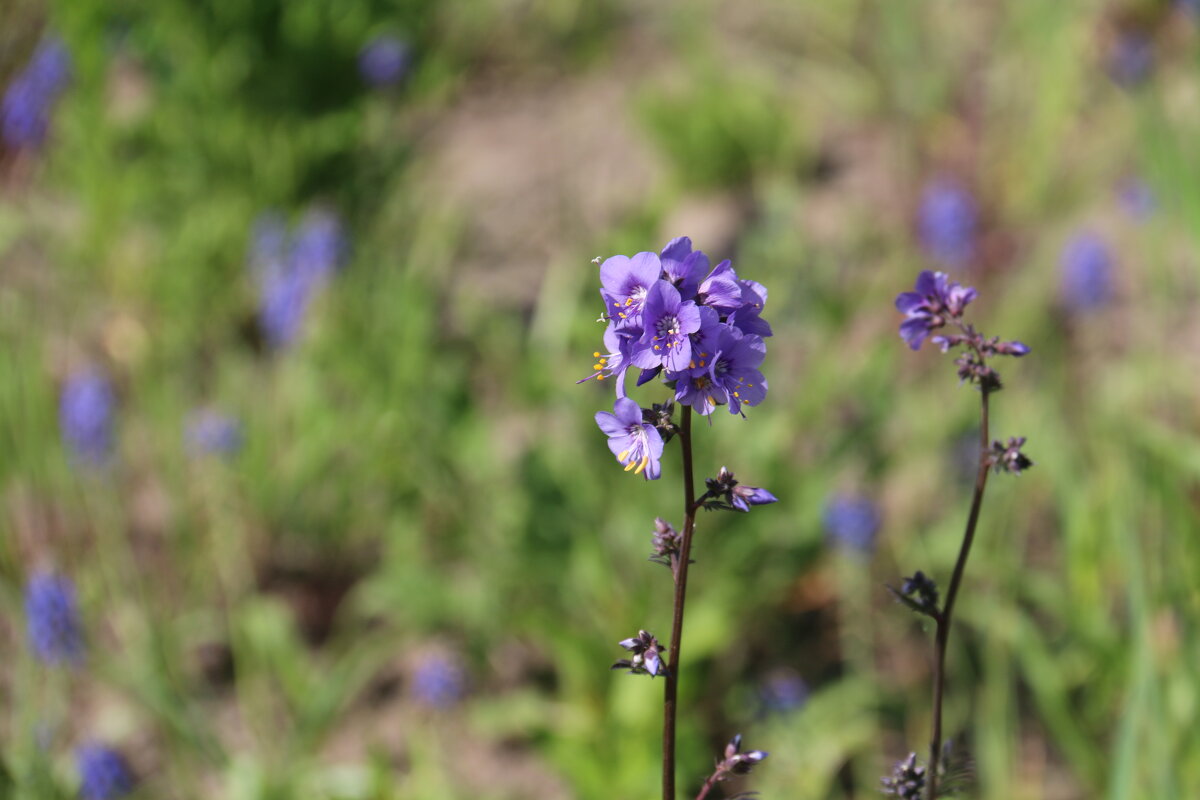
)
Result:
{"points": [[32, 94], [851, 522], [646, 658], [52, 619], [700, 330], [85, 415], [438, 681], [290, 270], [209, 432], [1086, 267], [103, 773]]}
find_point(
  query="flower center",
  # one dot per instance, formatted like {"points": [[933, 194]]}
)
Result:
{"points": [[668, 326]]}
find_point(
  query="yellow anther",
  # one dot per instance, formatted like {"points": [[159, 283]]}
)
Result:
{"points": [[630, 465], [735, 394], [641, 466], [596, 354], [621, 456]]}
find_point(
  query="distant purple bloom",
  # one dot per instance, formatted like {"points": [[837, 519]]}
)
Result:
{"points": [[384, 60], [636, 444], [438, 681], [85, 415], [30, 97], [947, 222], [52, 619], [934, 301], [1131, 58], [1136, 198], [1086, 270], [103, 773], [290, 271], [851, 521], [667, 322], [783, 691], [209, 432]]}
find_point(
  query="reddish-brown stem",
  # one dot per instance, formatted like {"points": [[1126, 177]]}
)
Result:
{"points": [[680, 571], [943, 618]]}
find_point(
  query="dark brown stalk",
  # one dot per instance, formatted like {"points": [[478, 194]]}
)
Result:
{"points": [[680, 570], [943, 619]]}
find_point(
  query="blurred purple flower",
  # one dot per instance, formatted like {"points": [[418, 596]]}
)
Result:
{"points": [[290, 272], [30, 97], [783, 691], [438, 681], [851, 522], [736, 496], [209, 432], [384, 60], [1086, 271], [52, 619], [85, 415], [1131, 59], [103, 773], [1136, 198], [947, 222]]}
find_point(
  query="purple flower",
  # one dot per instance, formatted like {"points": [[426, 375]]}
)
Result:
{"points": [[946, 222], [30, 97], [1131, 59], [614, 362], [934, 301], [52, 619], [783, 691], [626, 283], [729, 374], [438, 681], [851, 522], [636, 444], [103, 773], [748, 317], [907, 780], [667, 323], [736, 762], [721, 290], [647, 658], [289, 273], [1086, 270], [384, 60], [209, 432], [728, 494], [682, 266], [1136, 198], [85, 415]]}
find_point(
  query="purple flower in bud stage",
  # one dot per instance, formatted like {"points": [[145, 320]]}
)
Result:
{"points": [[947, 222], [209, 432], [30, 97], [103, 773], [52, 619], [636, 444], [646, 659], [667, 322], [85, 415], [728, 375], [384, 60], [907, 780], [851, 522], [1008, 457], [736, 762], [666, 542], [438, 681], [934, 301], [682, 266], [1086, 269], [919, 593], [627, 282], [736, 497]]}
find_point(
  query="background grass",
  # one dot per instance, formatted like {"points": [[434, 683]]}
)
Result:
{"points": [[421, 475]]}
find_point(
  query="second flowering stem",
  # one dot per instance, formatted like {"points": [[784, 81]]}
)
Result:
{"points": [[680, 571]]}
